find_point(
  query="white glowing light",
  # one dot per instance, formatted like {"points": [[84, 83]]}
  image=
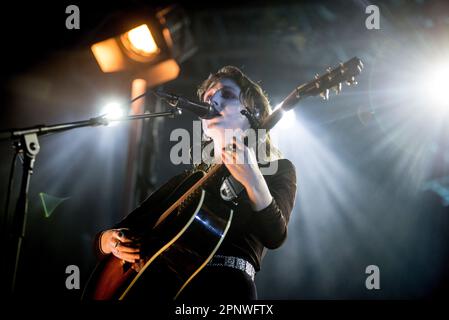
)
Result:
{"points": [[437, 86], [113, 111], [288, 120], [142, 40]]}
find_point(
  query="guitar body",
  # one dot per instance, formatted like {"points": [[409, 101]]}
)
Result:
{"points": [[174, 252]]}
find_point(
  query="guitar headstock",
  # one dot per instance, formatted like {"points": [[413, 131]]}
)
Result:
{"points": [[320, 86], [333, 79]]}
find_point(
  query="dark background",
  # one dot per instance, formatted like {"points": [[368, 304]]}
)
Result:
{"points": [[368, 161]]}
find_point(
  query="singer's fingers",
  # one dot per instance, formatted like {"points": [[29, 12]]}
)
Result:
{"points": [[227, 158], [128, 257], [239, 143], [119, 234], [235, 157], [128, 249], [138, 265], [234, 146]]}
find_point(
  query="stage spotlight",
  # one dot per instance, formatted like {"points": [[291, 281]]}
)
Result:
{"points": [[288, 119], [150, 47], [127, 51], [113, 111], [140, 43], [437, 86]]}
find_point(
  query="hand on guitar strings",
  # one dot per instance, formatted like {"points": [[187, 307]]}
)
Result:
{"points": [[241, 162], [122, 244]]}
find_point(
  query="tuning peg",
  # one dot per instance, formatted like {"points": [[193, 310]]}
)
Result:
{"points": [[328, 71], [317, 75], [351, 81], [342, 68], [325, 94], [337, 88]]}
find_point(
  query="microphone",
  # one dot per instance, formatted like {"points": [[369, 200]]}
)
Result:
{"points": [[201, 109]]}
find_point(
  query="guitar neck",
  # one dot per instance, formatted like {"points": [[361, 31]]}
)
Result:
{"points": [[287, 104], [332, 79], [200, 183]]}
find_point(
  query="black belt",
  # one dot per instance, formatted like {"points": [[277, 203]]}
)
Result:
{"points": [[233, 262]]}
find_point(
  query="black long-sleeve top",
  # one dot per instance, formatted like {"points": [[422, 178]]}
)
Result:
{"points": [[250, 231]]}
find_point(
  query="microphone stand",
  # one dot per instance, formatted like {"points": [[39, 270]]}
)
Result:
{"points": [[26, 141]]}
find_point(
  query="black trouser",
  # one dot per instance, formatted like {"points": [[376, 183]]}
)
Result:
{"points": [[218, 284]]}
